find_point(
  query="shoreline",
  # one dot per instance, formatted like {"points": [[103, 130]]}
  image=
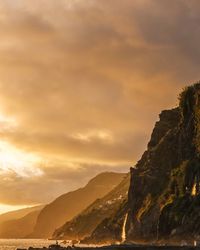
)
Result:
{"points": [[117, 247]]}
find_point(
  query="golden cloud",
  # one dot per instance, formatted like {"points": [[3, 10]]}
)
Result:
{"points": [[82, 82]]}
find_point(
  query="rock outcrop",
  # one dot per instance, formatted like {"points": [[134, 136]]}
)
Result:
{"points": [[164, 198], [164, 193]]}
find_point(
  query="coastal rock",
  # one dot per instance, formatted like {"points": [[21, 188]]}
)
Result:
{"points": [[164, 196], [164, 193]]}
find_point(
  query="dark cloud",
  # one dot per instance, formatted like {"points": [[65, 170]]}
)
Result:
{"points": [[85, 81]]}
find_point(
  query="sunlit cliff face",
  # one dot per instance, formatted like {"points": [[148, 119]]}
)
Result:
{"points": [[81, 85]]}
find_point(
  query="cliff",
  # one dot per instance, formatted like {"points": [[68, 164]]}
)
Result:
{"points": [[164, 188], [164, 193]]}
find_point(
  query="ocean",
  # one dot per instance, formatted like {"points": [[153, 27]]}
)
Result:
{"points": [[12, 244]]}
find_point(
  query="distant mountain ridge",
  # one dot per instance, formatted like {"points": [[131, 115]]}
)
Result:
{"points": [[17, 214], [19, 228], [84, 223], [20, 223], [24, 223], [65, 207]]}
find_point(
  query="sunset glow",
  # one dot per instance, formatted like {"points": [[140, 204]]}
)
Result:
{"points": [[82, 84], [12, 159], [8, 208]]}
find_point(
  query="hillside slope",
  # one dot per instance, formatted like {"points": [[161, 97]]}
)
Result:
{"points": [[65, 207], [19, 228], [19, 223], [83, 225]]}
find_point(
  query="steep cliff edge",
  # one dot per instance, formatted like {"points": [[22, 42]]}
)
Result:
{"points": [[164, 192], [164, 196]]}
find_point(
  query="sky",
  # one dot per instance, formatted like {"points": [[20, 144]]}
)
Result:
{"points": [[82, 83]]}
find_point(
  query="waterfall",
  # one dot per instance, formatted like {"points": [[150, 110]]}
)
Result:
{"points": [[124, 228], [194, 190]]}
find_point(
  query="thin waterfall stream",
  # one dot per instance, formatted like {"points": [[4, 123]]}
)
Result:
{"points": [[124, 228]]}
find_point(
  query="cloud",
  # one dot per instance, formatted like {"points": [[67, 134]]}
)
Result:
{"points": [[55, 180], [82, 82]]}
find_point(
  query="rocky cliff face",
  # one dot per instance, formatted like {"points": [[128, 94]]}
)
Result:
{"points": [[164, 198], [164, 192]]}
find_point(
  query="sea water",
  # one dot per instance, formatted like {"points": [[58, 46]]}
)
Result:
{"points": [[12, 244]]}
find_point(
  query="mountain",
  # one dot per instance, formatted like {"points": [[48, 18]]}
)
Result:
{"points": [[65, 207], [164, 193], [17, 224], [19, 228], [17, 214], [84, 224]]}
